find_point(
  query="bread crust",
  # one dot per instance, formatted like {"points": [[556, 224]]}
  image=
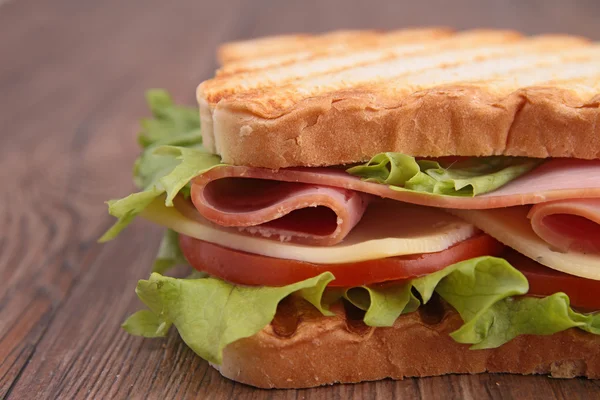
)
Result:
{"points": [[301, 349], [445, 121]]}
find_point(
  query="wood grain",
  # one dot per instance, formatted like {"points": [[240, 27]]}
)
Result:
{"points": [[72, 77]]}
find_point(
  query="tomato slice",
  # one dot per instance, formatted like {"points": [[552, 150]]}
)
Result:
{"points": [[253, 269], [543, 281]]}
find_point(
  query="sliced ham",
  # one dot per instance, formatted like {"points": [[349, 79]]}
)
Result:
{"points": [[298, 212], [321, 205], [556, 179], [568, 225]]}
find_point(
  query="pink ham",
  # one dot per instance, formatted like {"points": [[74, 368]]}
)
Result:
{"points": [[568, 225], [321, 205], [554, 180], [299, 212]]}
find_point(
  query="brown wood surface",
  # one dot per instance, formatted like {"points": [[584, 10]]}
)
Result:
{"points": [[72, 78]]}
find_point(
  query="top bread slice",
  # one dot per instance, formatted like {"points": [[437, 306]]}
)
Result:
{"points": [[342, 97]]}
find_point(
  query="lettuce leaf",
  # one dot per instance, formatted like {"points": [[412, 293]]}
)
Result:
{"points": [[193, 162], [511, 317], [190, 162], [210, 313], [146, 323], [469, 178], [482, 290], [383, 304], [172, 155], [171, 124], [169, 253], [473, 285], [127, 208]]}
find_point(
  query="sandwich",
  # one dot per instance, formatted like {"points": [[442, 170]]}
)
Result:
{"points": [[361, 205]]}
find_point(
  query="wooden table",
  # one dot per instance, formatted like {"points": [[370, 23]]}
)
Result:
{"points": [[72, 78]]}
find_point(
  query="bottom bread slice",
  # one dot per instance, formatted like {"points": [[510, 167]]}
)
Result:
{"points": [[301, 348]]}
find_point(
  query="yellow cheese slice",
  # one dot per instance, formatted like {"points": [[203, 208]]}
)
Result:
{"points": [[388, 228], [512, 227]]}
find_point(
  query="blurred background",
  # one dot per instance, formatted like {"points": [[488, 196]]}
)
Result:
{"points": [[134, 39], [128, 34]]}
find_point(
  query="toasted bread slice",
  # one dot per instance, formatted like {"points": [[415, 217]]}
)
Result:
{"points": [[301, 348], [342, 97]]}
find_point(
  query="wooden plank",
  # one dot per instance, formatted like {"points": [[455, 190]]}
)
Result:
{"points": [[72, 77]]}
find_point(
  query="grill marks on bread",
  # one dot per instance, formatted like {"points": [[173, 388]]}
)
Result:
{"points": [[296, 47], [392, 65]]}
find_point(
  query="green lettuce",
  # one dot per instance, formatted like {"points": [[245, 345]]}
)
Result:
{"points": [[146, 323], [473, 285], [511, 317], [383, 304], [171, 124], [470, 177], [169, 253], [172, 155], [482, 290], [191, 163], [210, 313]]}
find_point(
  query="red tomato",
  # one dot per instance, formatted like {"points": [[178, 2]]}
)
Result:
{"points": [[544, 281], [253, 269]]}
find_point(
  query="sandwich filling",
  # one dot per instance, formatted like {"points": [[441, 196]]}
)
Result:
{"points": [[512, 244]]}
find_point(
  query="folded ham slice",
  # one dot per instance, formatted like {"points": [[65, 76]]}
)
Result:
{"points": [[298, 212], [556, 179], [568, 225], [321, 205]]}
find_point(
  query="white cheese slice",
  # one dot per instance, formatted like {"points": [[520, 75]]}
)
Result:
{"points": [[512, 227], [388, 228]]}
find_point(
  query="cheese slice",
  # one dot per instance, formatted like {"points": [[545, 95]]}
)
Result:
{"points": [[387, 229], [512, 227]]}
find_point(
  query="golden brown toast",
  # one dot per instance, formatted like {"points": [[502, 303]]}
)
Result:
{"points": [[340, 98], [302, 348], [281, 50]]}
